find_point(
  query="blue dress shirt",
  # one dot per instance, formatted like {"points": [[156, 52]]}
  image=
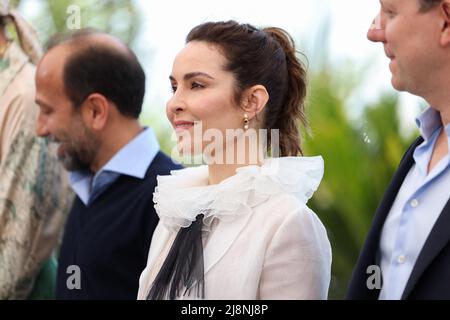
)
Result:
{"points": [[132, 160], [416, 208]]}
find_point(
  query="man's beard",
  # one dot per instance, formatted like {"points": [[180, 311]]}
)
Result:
{"points": [[72, 160], [76, 154]]}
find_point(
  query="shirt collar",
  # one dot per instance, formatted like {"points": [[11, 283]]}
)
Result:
{"points": [[428, 122], [135, 157], [132, 160]]}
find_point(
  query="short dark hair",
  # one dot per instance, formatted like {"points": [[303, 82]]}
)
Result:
{"points": [[426, 5], [98, 68]]}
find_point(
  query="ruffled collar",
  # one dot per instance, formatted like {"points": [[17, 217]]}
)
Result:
{"points": [[184, 194]]}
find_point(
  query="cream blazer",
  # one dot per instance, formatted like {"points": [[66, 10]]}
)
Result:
{"points": [[280, 251]]}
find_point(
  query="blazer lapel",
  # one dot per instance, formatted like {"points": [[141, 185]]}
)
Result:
{"points": [[392, 190], [222, 238], [436, 241], [369, 253]]}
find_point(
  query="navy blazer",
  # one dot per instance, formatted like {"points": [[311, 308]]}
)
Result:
{"points": [[430, 277]]}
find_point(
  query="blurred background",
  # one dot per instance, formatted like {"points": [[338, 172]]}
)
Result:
{"points": [[358, 123]]}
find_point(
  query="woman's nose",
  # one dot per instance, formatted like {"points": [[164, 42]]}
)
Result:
{"points": [[176, 104]]}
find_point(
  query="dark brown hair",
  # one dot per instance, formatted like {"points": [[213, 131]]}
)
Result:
{"points": [[426, 5], [266, 57]]}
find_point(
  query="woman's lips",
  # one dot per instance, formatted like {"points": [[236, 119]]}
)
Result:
{"points": [[183, 125]]}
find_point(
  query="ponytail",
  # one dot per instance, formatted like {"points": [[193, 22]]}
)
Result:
{"points": [[291, 112]]}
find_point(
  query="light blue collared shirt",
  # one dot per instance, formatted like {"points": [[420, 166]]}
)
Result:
{"points": [[419, 202], [132, 160]]}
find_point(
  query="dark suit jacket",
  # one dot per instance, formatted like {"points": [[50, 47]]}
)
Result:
{"points": [[430, 277]]}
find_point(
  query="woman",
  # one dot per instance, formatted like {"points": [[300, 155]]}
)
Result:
{"points": [[34, 193], [238, 228]]}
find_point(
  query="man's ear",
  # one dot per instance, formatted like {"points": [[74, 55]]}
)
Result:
{"points": [[444, 9], [95, 111], [255, 100]]}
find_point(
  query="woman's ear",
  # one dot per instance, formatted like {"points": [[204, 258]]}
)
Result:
{"points": [[254, 100], [444, 8], [95, 111]]}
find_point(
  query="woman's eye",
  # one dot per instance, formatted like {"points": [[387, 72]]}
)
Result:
{"points": [[174, 88], [196, 85]]}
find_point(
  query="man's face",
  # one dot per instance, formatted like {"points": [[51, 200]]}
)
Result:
{"points": [[58, 119], [411, 42]]}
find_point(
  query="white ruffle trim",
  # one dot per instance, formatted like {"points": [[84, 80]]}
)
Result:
{"points": [[184, 194]]}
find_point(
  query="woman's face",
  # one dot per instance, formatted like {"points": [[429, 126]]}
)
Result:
{"points": [[203, 104]]}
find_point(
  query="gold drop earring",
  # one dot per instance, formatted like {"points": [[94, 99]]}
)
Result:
{"points": [[246, 122]]}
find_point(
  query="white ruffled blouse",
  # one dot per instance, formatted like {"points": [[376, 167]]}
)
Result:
{"points": [[261, 241]]}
